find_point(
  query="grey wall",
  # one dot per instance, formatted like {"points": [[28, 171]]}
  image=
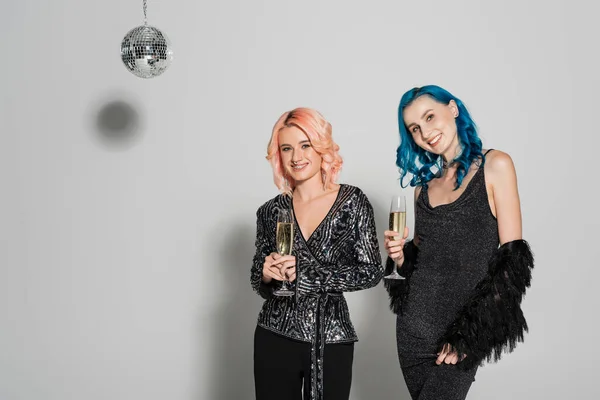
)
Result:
{"points": [[127, 206]]}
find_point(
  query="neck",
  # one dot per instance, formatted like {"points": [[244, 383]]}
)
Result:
{"points": [[451, 154], [450, 172], [309, 189]]}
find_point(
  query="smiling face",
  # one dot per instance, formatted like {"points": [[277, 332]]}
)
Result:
{"points": [[433, 126], [298, 158]]}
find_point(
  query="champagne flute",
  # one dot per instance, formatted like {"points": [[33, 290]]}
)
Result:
{"points": [[397, 224], [285, 242]]}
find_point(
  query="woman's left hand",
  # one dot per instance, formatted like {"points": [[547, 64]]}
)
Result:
{"points": [[287, 267], [290, 273], [448, 356]]}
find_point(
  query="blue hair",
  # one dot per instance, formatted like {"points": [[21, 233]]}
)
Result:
{"points": [[412, 159]]}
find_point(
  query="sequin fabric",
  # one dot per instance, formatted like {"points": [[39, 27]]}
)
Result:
{"points": [[341, 255]]}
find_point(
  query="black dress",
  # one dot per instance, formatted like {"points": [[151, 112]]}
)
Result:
{"points": [[456, 241]]}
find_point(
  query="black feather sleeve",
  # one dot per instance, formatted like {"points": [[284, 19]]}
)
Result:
{"points": [[492, 322], [398, 289]]}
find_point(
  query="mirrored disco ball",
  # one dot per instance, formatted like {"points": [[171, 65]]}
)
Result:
{"points": [[146, 51]]}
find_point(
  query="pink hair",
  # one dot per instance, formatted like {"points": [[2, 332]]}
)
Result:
{"points": [[318, 131]]}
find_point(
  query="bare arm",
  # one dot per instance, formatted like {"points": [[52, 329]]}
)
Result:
{"points": [[500, 172]]}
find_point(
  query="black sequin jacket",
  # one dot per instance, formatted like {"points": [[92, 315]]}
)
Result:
{"points": [[341, 255]]}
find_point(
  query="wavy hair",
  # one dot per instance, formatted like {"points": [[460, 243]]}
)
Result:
{"points": [[410, 158], [319, 132]]}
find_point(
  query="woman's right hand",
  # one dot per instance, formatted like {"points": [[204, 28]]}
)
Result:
{"points": [[272, 269], [394, 246]]}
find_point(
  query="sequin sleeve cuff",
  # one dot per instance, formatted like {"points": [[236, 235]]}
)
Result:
{"points": [[263, 249]]}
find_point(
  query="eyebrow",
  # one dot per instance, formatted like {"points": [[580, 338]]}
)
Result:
{"points": [[301, 142], [425, 113], [422, 116]]}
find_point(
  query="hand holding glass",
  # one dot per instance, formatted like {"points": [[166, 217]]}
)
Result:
{"points": [[397, 224], [285, 241]]}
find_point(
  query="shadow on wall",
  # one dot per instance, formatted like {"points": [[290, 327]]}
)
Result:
{"points": [[376, 372], [234, 321], [117, 122]]}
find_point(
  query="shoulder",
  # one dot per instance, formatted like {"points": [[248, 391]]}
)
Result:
{"points": [[499, 161], [276, 202], [499, 166], [351, 189], [353, 192], [356, 198], [418, 190]]}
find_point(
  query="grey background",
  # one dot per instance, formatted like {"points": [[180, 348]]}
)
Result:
{"points": [[127, 206]]}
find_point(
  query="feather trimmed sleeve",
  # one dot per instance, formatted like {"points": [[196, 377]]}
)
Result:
{"points": [[398, 288], [492, 322]]}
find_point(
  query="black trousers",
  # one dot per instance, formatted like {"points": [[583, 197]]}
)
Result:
{"points": [[282, 368]]}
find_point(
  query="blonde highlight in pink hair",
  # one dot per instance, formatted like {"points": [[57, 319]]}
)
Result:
{"points": [[319, 132]]}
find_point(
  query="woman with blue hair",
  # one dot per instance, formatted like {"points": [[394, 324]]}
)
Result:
{"points": [[467, 266]]}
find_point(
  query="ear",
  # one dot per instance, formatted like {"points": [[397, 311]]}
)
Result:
{"points": [[453, 108]]}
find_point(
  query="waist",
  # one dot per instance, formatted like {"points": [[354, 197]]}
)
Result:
{"points": [[317, 295], [299, 318]]}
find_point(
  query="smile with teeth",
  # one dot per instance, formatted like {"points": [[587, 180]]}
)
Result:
{"points": [[298, 167], [435, 140]]}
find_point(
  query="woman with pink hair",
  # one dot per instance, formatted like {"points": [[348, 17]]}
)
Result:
{"points": [[304, 343]]}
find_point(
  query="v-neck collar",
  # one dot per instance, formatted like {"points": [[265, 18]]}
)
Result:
{"points": [[329, 213]]}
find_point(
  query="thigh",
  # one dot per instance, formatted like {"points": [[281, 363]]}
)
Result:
{"points": [[277, 366], [417, 359], [337, 371], [447, 382], [415, 377]]}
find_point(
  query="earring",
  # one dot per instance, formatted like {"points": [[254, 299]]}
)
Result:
{"points": [[286, 183]]}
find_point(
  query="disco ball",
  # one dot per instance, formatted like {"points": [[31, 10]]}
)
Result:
{"points": [[146, 51]]}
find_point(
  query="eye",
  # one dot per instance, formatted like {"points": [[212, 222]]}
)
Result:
{"points": [[429, 117], [415, 129], [305, 146], [286, 148]]}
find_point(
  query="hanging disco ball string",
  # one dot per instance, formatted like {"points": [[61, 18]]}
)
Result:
{"points": [[145, 50]]}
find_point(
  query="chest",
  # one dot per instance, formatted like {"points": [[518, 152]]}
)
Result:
{"points": [[310, 214], [443, 191], [461, 223]]}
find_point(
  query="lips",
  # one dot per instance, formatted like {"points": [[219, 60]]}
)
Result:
{"points": [[299, 167], [433, 142]]}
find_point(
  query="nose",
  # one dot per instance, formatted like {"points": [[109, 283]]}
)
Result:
{"points": [[297, 155], [426, 133]]}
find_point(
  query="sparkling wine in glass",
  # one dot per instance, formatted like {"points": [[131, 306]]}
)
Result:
{"points": [[284, 243], [397, 223]]}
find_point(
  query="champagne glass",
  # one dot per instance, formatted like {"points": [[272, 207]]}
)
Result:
{"points": [[285, 241], [397, 224]]}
